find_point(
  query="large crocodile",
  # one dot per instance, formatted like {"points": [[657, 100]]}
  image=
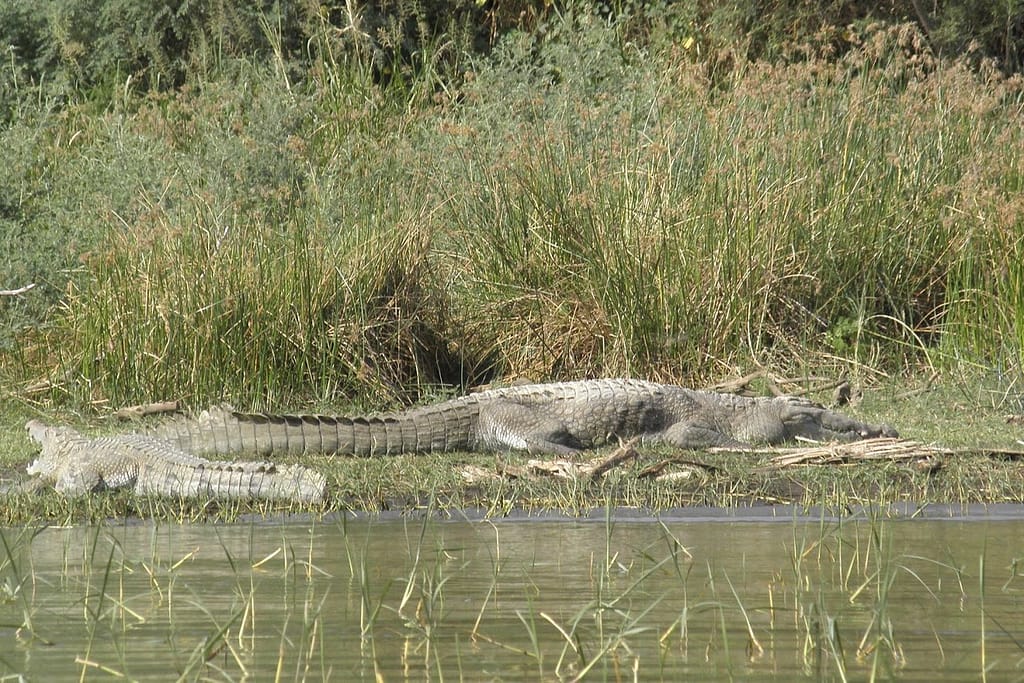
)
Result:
{"points": [[560, 418], [75, 465]]}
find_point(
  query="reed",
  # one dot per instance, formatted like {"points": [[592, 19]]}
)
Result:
{"points": [[265, 239], [849, 604]]}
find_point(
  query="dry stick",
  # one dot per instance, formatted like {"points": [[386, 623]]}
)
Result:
{"points": [[658, 468], [1004, 453], [624, 453], [822, 385], [554, 468], [928, 386], [741, 384], [737, 386], [16, 292], [777, 390], [134, 412], [877, 449], [868, 449], [595, 468]]}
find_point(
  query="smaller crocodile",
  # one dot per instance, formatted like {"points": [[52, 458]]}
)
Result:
{"points": [[75, 465]]}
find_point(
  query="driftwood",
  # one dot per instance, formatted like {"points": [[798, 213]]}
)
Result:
{"points": [[739, 385], [593, 469], [660, 470], [669, 469], [924, 457], [877, 449], [623, 454], [805, 385]]}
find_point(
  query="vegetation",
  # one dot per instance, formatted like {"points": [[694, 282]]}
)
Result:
{"points": [[307, 209], [302, 205], [284, 208]]}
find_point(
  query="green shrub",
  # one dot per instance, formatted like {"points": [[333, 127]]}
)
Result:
{"points": [[595, 197]]}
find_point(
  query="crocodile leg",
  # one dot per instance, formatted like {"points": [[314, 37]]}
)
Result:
{"points": [[695, 435], [508, 425]]}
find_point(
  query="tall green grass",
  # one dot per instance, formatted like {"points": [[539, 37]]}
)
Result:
{"points": [[578, 203], [669, 227]]}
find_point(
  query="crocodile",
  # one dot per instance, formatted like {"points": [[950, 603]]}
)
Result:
{"points": [[558, 419], [75, 465]]}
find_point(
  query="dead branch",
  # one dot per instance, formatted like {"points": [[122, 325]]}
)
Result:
{"points": [[16, 292], [657, 470], [140, 411], [624, 453], [802, 385], [856, 451], [737, 386]]}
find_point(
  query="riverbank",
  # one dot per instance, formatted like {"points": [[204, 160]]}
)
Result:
{"points": [[287, 223], [956, 452]]}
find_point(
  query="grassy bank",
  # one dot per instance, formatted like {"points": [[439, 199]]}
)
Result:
{"points": [[582, 201], [973, 425]]}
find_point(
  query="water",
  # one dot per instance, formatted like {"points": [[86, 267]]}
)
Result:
{"points": [[696, 594]]}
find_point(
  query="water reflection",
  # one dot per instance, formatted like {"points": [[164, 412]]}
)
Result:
{"points": [[407, 598]]}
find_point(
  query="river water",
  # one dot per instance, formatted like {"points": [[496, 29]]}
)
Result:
{"points": [[746, 594]]}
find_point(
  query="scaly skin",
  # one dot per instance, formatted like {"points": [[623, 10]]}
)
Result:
{"points": [[559, 418], [76, 465]]}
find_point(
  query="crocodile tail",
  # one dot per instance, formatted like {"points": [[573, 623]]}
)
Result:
{"points": [[236, 481], [220, 430]]}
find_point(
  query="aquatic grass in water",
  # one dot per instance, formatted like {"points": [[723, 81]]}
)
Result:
{"points": [[836, 598]]}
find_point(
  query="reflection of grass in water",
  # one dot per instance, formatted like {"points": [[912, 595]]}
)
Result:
{"points": [[18, 586], [838, 611], [421, 607], [109, 621], [221, 640], [867, 571], [599, 634], [838, 591]]}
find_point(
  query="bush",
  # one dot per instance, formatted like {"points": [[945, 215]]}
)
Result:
{"points": [[593, 198]]}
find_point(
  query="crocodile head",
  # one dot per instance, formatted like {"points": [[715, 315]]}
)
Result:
{"points": [[807, 419], [39, 432], [49, 460]]}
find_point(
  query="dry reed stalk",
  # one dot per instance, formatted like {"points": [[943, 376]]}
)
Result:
{"points": [[857, 451]]}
